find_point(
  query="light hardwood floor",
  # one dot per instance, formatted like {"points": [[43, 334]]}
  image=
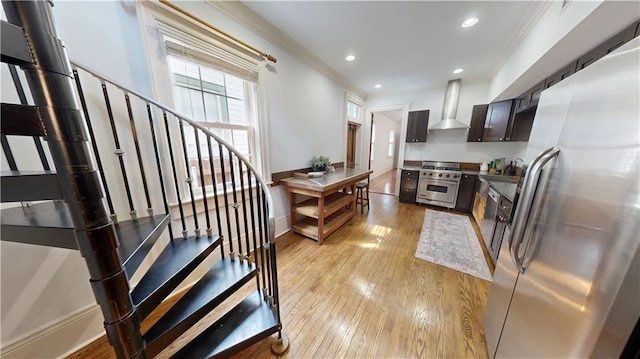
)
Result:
{"points": [[363, 294], [385, 183]]}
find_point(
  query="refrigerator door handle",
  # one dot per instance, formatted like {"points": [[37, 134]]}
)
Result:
{"points": [[523, 215], [520, 210]]}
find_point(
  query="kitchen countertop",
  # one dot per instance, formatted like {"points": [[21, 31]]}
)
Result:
{"points": [[506, 189], [411, 168]]}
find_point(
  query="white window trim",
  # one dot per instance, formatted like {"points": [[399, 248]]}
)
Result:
{"points": [[151, 12]]}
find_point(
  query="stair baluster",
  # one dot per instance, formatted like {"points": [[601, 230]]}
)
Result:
{"points": [[244, 211], [215, 191], [203, 185], [136, 142], [226, 202], [175, 174], [6, 149], [94, 144], [236, 204], [118, 151], [189, 178], [154, 139]]}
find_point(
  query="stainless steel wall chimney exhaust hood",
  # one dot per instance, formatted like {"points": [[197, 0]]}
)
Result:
{"points": [[450, 108]]}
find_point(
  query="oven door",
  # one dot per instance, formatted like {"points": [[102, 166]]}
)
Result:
{"points": [[437, 192]]}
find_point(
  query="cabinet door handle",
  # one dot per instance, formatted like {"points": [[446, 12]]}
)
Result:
{"points": [[500, 138], [479, 139]]}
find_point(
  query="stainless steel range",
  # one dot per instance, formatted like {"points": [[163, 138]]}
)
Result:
{"points": [[438, 183]]}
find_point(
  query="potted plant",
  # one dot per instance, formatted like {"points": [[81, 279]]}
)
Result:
{"points": [[319, 164]]}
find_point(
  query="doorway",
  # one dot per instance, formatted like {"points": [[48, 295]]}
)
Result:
{"points": [[384, 149], [352, 131]]}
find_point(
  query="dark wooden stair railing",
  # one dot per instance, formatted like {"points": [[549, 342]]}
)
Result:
{"points": [[75, 215]]}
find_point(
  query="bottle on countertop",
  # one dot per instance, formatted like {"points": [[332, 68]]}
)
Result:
{"points": [[484, 167]]}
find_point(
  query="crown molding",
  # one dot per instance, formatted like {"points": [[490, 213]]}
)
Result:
{"points": [[254, 22], [533, 14]]}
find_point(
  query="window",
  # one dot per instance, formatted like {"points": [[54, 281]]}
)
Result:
{"points": [[392, 136], [353, 110], [218, 88], [219, 101]]}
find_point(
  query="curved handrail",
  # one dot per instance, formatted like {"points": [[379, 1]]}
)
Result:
{"points": [[263, 184]]}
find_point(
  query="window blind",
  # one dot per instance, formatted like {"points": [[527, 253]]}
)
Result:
{"points": [[224, 58]]}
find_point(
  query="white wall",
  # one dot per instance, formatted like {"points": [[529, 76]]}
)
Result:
{"points": [[557, 38], [46, 288], [382, 163], [448, 145]]}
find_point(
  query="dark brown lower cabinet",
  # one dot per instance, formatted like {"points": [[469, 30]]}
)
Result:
{"points": [[408, 186], [466, 193], [502, 222]]}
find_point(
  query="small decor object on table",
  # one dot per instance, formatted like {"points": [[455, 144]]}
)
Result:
{"points": [[320, 164]]}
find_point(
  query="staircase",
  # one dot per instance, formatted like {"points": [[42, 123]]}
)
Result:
{"points": [[88, 199]]}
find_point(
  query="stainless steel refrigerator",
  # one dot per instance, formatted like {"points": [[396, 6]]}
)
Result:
{"points": [[567, 280]]}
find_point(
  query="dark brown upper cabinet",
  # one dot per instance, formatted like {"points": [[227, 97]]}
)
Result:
{"points": [[497, 121], [608, 46], [520, 125], [530, 98], [560, 75], [476, 127], [417, 125]]}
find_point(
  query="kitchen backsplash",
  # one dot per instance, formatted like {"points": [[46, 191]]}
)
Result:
{"points": [[464, 152]]}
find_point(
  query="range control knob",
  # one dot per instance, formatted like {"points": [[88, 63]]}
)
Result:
{"points": [[455, 176], [448, 176], [430, 174], [440, 175]]}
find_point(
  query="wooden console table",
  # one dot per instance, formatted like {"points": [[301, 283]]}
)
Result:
{"points": [[326, 211]]}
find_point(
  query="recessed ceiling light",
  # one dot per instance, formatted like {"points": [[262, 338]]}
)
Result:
{"points": [[377, 86], [470, 22], [350, 58], [457, 71]]}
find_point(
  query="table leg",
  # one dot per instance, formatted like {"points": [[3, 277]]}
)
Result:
{"points": [[321, 218]]}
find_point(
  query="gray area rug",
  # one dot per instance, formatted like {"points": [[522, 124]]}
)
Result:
{"points": [[449, 240]]}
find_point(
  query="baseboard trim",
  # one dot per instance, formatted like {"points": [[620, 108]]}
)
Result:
{"points": [[282, 225], [53, 341]]}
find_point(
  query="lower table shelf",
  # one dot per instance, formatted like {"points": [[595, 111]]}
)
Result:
{"points": [[309, 226]]}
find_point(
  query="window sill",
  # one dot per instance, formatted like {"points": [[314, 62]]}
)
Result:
{"points": [[187, 207]]}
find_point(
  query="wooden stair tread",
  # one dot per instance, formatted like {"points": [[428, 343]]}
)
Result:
{"points": [[21, 120], [137, 237], [246, 324], [178, 259], [47, 224], [13, 47], [20, 186], [50, 224], [332, 203], [222, 280]]}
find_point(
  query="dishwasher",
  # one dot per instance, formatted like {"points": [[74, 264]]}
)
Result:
{"points": [[489, 221]]}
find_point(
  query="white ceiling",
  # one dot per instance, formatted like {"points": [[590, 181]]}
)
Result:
{"points": [[404, 45]]}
